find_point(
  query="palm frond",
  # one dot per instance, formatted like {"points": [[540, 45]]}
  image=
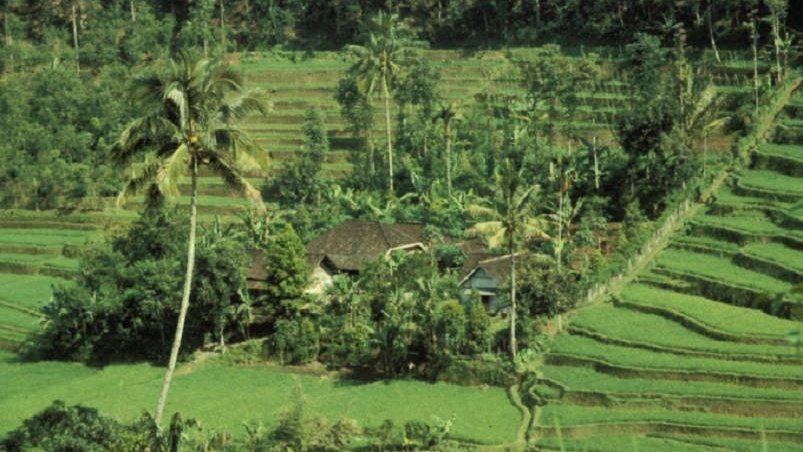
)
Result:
{"points": [[172, 169], [233, 179], [484, 229], [483, 212], [140, 176]]}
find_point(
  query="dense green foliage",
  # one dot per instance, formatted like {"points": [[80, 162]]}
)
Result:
{"points": [[570, 158], [125, 301]]}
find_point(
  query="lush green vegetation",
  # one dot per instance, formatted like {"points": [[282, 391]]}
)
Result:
{"points": [[566, 158]]}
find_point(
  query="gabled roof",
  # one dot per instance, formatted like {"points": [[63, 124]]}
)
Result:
{"points": [[499, 267], [354, 243]]}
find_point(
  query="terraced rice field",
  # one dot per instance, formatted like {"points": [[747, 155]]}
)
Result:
{"points": [[694, 354], [299, 82]]}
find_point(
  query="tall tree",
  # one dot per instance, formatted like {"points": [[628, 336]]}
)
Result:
{"points": [[188, 119], [379, 61], [447, 114], [778, 10], [508, 219]]}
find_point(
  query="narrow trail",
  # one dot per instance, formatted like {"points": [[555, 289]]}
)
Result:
{"points": [[526, 416]]}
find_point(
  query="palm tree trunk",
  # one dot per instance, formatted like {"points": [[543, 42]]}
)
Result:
{"points": [[512, 302], [222, 29], [185, 297], [754, 45], [386, 94], [710, 21], [596, 166], [776, 41], [8, 41], [448, 158], [560, 227], [75, 34], [133, 11]]}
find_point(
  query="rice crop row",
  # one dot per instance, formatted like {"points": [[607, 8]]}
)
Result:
{"points": [[718, 316], [643, 328], [628, 357]]}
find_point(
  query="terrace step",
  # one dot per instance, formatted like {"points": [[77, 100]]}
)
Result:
{"points": [[674, 367], [601, 387], [698, 326], [770, 185], [772, 259], [715, 318], [733, 293], [33, 250], [642, 422], [658, 442], [705, 245], [28, 269], [637, 329], [607, 339], [739, 406], [743, 230], [783, 158], [729, 204]]}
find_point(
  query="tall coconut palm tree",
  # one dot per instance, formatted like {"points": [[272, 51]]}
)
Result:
{"points": [[378, 62], [187, 122], [508, 219], [448, 114]]}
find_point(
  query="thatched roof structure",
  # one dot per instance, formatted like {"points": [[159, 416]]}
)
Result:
{"points": [[354, 243]]}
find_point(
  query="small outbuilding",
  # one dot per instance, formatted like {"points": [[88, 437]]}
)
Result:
{"points": [[488, 276]]}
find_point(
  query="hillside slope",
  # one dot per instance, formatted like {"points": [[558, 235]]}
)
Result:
{"points": [[693, 355]]}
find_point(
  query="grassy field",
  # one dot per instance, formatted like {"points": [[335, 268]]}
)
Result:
{"points": [[222, 397]]}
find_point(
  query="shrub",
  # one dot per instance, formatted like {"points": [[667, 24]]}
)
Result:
{"points": [[486, 369], [295, 341]]}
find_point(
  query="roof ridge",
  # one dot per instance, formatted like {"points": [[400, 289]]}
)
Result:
{"points": [[497, 258]]}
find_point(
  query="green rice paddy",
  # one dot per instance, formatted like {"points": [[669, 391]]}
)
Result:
{"points": [[223, 398]]}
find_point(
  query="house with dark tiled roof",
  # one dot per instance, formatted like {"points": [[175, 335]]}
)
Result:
{"points": [[489, 275], [348, 247]]}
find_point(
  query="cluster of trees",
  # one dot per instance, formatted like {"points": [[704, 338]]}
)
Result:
{"points": [[125, 301], [61, 427], [259, 24]]}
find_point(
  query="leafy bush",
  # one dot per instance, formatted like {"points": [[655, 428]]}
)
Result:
{"points": [[485, 369], [125, 302], [295, 341]]}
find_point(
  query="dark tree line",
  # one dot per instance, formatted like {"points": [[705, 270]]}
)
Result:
{"points": [[259, 24]]}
